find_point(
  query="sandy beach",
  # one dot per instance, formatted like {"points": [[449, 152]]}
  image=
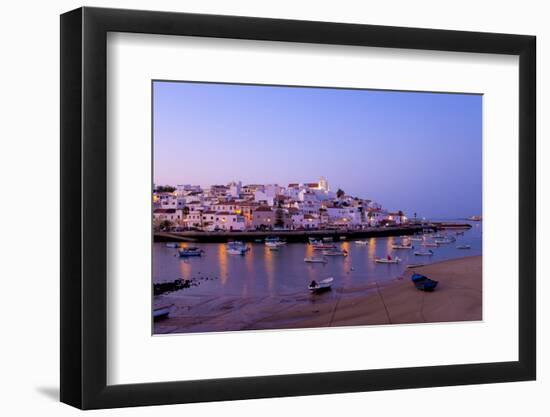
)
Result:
{"points": [[458, 297]]}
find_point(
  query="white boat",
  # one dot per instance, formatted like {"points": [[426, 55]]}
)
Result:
{"points": [[424, 253], [463, 247], [409, 246], [416, 239], [327, 239], [362, 242], [236, 251], [388, 260], [274, 244], [342, 238], [324, 284], [162, 311], [172, 245], [443, 241], [323, 246], [335, 252], [315, 260]]}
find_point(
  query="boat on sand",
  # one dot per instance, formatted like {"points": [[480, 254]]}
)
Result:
{"points": [[423, 283], [162, 312], [322, 285]]}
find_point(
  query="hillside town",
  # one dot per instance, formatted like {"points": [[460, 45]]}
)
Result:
{"points": [[237, 207]]}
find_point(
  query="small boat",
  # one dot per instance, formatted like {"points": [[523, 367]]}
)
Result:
{"points": [[416, 239], [463, 247], [162, 312], [428, 252], [361, 242], [423, 283], [327, 239], [191, 251], [388, 260], [236, 250], [258, 241], [335, 252], [401, 246], [322, 285], [314, 240], [172, 245], [443, 241], [409, 266], [342, 238], [315, 260], [430, 244], [323, 246], [275, 244]]}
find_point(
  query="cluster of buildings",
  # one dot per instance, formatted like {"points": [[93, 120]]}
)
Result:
{"points": [[238, 207]]}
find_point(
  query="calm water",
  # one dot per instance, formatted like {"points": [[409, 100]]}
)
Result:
{"points": [[261, 272]]}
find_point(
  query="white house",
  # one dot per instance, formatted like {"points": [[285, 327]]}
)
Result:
{"points": [[305, 221], [170, 214]]}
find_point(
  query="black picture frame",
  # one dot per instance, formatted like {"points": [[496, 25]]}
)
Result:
{"points": [[84, 207]]}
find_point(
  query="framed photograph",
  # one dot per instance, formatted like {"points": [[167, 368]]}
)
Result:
{"points": [[258, 208]]}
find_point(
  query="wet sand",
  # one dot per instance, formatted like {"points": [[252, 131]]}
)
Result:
{"points": [[458, 297]]}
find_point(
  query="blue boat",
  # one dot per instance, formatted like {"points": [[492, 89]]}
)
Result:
{"points": [[423, 283], [192, 251]]}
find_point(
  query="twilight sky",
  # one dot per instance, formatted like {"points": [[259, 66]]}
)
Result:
{"points": [[418, 152]]}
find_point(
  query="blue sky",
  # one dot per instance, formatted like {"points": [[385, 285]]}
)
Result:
{"points": [[418, 152]]}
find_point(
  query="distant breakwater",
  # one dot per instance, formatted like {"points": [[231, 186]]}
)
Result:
{"points": [[290, 235]]}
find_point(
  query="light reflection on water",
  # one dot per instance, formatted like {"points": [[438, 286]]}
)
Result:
{"points": [[261, 272]]}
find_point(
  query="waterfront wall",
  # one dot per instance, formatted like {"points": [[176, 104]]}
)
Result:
{"points": [[288, 235]]}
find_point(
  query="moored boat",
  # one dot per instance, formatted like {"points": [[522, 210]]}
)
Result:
{"points": [[388, 260], [430, 244], [361, 242], [315, 260], [237, 250], [190, 251], [323, 246], [428, 252], [463, 247], [172, 245], [322, 285], [335, 252], [401, 246]]}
